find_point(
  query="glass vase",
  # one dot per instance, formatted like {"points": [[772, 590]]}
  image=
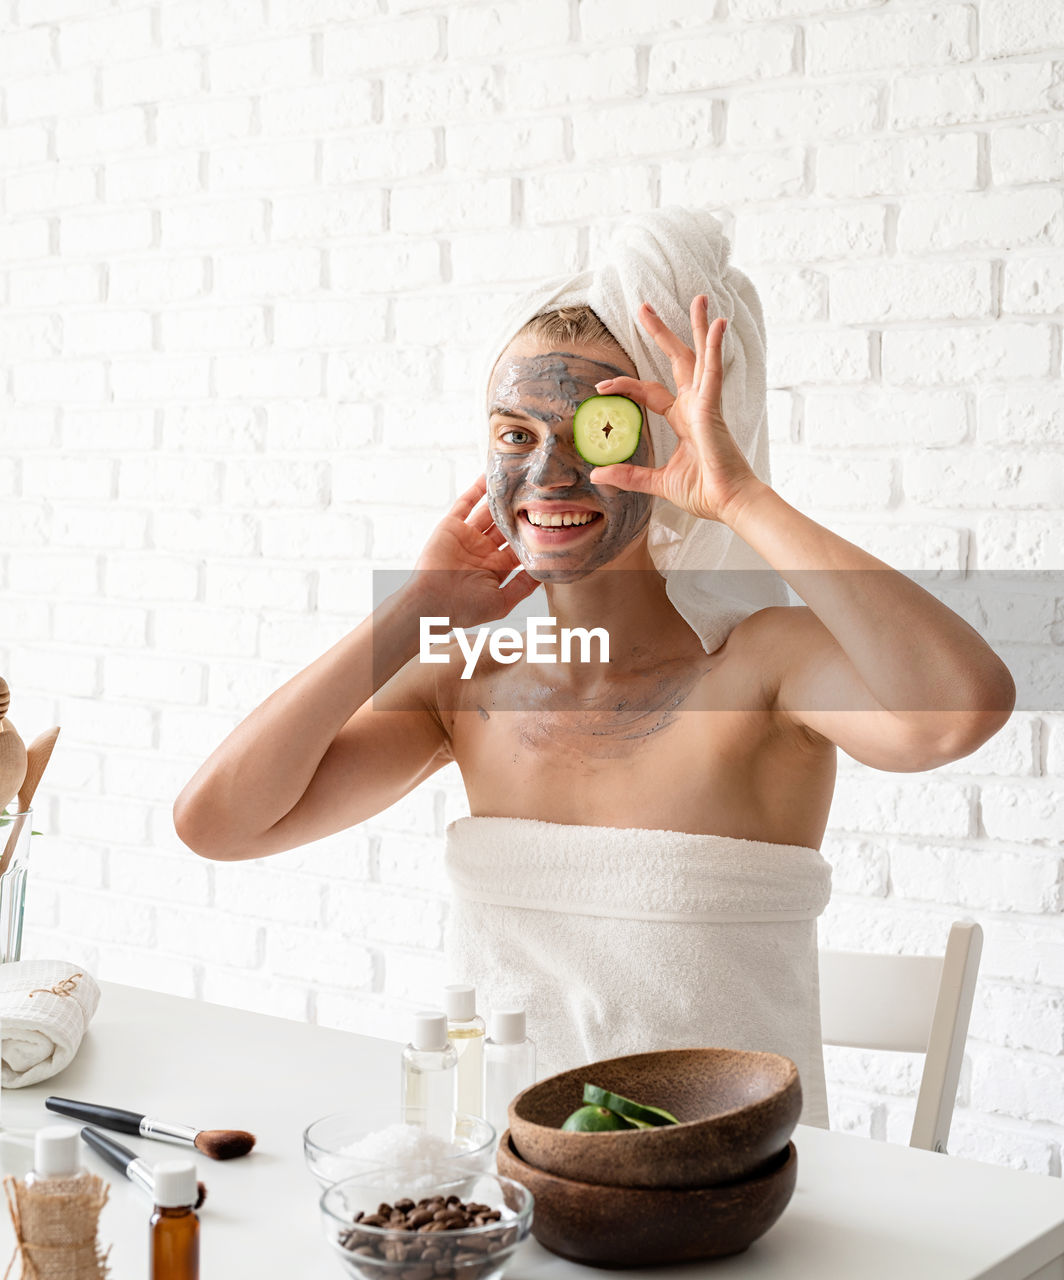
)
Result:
{"points": [[15, 832]]}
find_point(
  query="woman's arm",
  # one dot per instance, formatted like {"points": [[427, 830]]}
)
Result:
{"points": [[877, 664], [302, 765], [323, 753]]}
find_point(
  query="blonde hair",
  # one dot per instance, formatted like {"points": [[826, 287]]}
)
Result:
{"points": [[568, 324], [563, 327]]}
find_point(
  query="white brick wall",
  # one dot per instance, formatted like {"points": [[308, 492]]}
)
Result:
{"points": [[240, 237]]}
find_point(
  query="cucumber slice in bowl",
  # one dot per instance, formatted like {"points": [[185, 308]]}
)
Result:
{"points": [[607, 429], [635, 1112]]}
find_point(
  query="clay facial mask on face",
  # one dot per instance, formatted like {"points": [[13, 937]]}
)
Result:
{"points": [[537, 479]]}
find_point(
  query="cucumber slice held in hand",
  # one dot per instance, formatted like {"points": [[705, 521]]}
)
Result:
{"points": [[606, 429], [634, 1112]]}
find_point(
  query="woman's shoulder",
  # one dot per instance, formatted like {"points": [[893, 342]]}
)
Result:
{"points": [[773, 623], [767, 640]]}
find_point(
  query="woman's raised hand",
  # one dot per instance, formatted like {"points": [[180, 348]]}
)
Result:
{"points": [[707, 473], [464, 563]]}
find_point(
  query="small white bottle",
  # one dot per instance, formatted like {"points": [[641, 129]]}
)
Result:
{"points": [[509, 1065], [466, 1032], [429, 1073], [55, 1161]]}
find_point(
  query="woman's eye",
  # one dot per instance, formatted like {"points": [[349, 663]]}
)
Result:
{"points": [[516, 436]]}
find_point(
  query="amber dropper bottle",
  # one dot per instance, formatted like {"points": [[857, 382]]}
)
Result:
{"points": [[174, 1225]]}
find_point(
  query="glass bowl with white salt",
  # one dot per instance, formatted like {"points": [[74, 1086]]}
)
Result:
{"points": [[438, 1225], [346, 1143]]}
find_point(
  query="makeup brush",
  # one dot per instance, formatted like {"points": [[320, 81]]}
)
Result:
{"points": [[135, 1167], [219, 1144]]}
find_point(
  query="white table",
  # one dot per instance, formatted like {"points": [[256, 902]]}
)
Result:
{"points": [[861, 1210]]}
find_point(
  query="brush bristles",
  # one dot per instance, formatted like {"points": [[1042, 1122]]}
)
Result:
{"points": [[224, 1144]]}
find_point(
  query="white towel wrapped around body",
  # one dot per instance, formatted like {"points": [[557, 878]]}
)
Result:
{"points": [[45, 1007], [621, 941]]}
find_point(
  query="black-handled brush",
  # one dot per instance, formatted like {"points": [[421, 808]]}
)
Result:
{"points": [[127, 1162], [219, 1144]]}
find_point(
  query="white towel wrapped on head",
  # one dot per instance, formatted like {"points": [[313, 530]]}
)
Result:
{"points": [[620, 941], [667, 257], [45, 1007]]}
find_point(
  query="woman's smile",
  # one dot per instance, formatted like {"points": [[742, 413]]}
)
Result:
{"points": [[556, 524]]}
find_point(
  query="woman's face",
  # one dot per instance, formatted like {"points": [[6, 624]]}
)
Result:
{"points": [[561, 526]]}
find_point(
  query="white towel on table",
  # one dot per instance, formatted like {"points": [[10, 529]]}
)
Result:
{"points": [[620, 941], [45, 1006], [667, 257]]}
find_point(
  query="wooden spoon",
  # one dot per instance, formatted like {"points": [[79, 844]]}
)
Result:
{"points": [[38, 753]]}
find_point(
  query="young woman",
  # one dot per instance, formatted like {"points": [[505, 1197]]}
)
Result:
{"points": [[641, 867]]}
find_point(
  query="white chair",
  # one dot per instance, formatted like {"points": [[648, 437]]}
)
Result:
{"points": [[918, 1004]]}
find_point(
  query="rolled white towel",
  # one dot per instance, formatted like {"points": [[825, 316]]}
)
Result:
{"points": [[45, 1007]]}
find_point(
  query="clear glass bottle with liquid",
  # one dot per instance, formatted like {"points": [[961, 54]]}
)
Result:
{"points": [[429, 1073], [509, 1065], [466, 1031], [174, 1225]]}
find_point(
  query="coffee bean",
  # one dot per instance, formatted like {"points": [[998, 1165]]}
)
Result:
{"points": [[420, 1271], [436, 1215]]}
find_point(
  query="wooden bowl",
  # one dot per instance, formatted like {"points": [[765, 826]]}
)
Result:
{"points": [[637, 1226], [737, 1110]]}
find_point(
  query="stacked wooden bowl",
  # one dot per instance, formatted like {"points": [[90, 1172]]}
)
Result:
{"points": [[704, 1188]]}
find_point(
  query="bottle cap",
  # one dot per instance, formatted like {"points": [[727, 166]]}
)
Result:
{"points": [[175, 1184], [507, 1026], [460, 1001], [55, 1151], [430, 1030]]}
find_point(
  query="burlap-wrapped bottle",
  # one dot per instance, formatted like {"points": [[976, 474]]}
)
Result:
{"points": [[55, 1228]]}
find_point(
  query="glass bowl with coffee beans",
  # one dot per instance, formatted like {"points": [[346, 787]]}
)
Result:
{"points": [[426, 1225]]}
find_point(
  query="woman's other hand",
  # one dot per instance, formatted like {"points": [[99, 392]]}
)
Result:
{"points": [[464, 563], [707, 473]]}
